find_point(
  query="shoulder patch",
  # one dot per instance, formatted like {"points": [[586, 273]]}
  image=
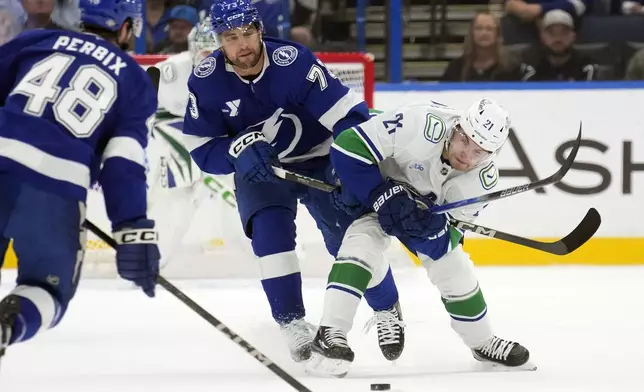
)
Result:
{"points": [[205, 67], [168, 73], [489, 176], [434, 128], [285, 55]]}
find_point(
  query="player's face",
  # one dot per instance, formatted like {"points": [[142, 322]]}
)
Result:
{"points": [[242, 46], [464, 154]]}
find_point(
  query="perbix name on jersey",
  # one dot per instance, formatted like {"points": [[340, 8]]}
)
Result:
{"points": [[113, 62]]}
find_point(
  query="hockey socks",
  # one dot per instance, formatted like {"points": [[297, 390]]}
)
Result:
{"points": [[468, 313], [39, 311], [282, 282], [348, 281]]}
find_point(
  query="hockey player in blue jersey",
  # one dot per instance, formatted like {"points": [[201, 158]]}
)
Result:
{"points": [[258, 102], [76, 109]]}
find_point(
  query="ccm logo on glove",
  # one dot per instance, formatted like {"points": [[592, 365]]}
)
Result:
{"points": [[382, 199], [137, 237], [240, 144]]}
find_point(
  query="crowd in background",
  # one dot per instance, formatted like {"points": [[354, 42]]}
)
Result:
{"points": [[485, 57], [553, 57], [168, 22]]}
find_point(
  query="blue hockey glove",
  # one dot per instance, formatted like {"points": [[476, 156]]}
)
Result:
{"points": [[343, 200], [253, 157], [137, 253], [400, 215]]}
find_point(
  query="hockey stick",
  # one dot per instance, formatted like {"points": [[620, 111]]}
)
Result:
{"points": [[181, 296], [576, 238], [155, 75], [568, 244], [556, 177]]}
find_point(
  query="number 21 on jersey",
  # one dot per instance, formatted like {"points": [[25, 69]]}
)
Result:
{"points": [[80, 107]]}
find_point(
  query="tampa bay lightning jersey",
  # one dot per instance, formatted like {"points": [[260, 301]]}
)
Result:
{"points": [[295, 102], [71, 104]]}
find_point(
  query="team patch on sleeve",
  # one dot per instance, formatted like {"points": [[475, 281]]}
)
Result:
{"points": [[205, 67], [489, 176], [285, 55]]}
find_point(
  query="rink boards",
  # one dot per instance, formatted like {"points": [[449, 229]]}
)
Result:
{"points": [[608, 174]]}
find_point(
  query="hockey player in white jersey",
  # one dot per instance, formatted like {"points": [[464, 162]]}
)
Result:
{"points": [[401, 163], [176, 69]]}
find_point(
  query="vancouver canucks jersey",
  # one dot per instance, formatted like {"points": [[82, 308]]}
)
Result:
{"points": [[295, 102], [73, 103], [406, 145]]}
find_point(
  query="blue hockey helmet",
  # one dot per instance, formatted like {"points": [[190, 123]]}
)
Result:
{"points": [[231, 14], [112, 14]]}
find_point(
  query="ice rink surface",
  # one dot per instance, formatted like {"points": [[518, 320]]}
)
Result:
{"points": [[583, 325]]}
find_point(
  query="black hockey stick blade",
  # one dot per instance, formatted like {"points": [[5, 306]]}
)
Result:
{"points": [[304, 180], [576, 238], [155, 75], [181, 296], [503, 193]]}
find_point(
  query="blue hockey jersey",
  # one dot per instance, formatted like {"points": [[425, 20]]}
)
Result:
{"points": [[295, 101], [71, 103]]}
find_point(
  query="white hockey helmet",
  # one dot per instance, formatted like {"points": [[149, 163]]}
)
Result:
{"points": [[487, 124], [201, 41]]}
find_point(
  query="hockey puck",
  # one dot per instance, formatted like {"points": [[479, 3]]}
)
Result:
{"points": [[380, 387]]}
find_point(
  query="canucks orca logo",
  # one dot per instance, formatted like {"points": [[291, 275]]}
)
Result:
{"points": [[282, 130]]}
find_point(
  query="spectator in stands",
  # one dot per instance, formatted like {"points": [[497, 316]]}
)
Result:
{"points": [[555, 57], [635, 67], [484, 58], [39, 14], [533, 10], [180, 22], [12, 18], [633, 7], [157, 15]]}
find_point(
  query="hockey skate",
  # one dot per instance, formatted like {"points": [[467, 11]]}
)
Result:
{"points": [[299, 336], [391, 331], [9, 308], [503, 352], [332, 355]]}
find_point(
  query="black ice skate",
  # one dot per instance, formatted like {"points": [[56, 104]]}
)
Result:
{"points": [[299, 336], [391, 331], [9, 308], [332, 355], [502, 352]]}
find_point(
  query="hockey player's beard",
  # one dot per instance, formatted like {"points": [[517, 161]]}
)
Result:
{"points": [[252, 61]]}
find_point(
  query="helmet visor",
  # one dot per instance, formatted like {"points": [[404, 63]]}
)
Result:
{"points": [[465, 149]]}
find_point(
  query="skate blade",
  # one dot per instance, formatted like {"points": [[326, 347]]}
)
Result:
{"points": [[321, 366], [497, 367]]}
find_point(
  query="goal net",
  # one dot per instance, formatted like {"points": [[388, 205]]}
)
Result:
{"points": [[200, 230]]}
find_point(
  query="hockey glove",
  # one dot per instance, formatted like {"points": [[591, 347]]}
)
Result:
{"points": [[400, 215], [343, 200], [253, 157], [137, 253]]}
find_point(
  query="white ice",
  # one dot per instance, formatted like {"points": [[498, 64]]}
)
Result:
{"points": [[583, 326]]}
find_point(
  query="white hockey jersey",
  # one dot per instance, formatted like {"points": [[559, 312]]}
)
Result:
{"points": [[173, 84], [407, 144]]}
